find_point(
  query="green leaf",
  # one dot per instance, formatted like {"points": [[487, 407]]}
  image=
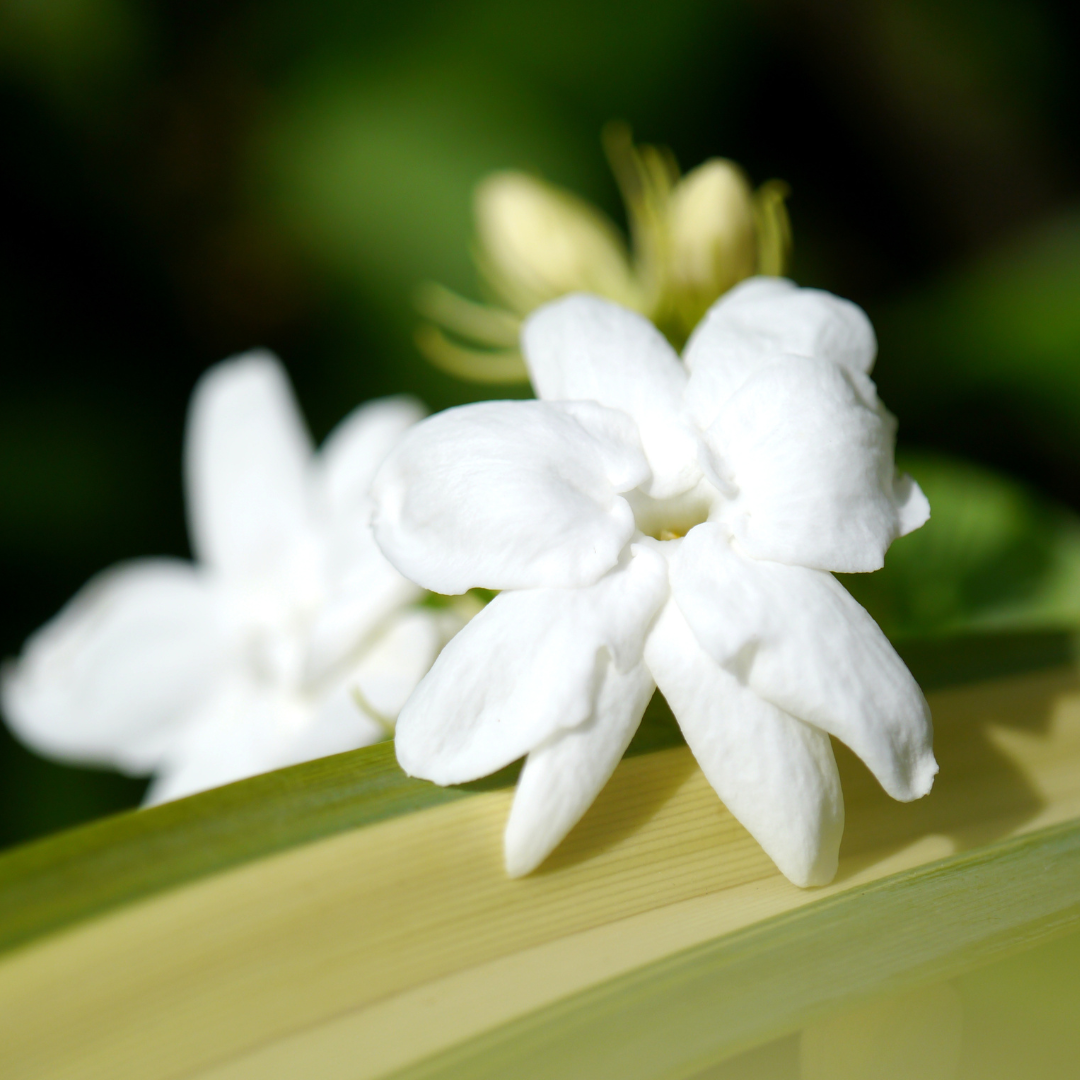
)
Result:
{"points": [[993, 556], [81, 873], [705, 1004], [339, 920]]}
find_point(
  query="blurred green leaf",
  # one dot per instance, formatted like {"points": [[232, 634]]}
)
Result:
{"points": [[368, 158], [1006, 325], [375, 174], [73, 51], [999, 48], [40, 797], [1013, 318], [994, 555], [70, 469]]}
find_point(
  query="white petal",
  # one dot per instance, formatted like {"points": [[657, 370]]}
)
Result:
{"points": [[396, 662], [247, 461], [799, 639], [359, 707], [525, 667], [912, 506], [111, 677], [339, 725], [362, 594], [347, 462], [776, 774], [509, 495], [583, 348], [813, 465], [362, 587], [565, 773], [239, 732], [761, 318]]}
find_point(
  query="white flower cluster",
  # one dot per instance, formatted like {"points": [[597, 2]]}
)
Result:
{"points": [[290, 638], [649, 522], [652, 521]]}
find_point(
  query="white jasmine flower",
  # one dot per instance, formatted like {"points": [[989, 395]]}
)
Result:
{"points": [[289, 638], [651, 522]]}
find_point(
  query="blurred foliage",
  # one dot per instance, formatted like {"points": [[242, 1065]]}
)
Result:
{"points": [[994, 556], [77, 54], [991, 354], [182, 180]]}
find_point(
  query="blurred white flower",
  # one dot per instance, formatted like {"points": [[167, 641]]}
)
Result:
{"points": [[289, 638], [651, 522]]}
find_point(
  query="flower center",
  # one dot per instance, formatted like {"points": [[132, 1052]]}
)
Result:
{"points": [[669, 519]]}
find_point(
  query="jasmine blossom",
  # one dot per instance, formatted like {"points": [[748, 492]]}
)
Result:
{"points": [[289, 638], [662, 522], [694, 237]]}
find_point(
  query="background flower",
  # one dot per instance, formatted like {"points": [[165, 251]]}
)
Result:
{"points": [[290, 638]]}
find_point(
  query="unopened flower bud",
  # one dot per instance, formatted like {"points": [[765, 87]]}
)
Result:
{"points": [[712, 240], [538, 242]]}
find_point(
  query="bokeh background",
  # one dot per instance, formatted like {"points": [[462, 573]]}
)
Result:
{"points": [[181, 180]]}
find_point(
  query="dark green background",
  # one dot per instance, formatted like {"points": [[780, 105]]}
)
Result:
{"points": [[184, 180]]}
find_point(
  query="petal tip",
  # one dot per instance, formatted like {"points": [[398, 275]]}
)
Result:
{"points": [[820, 874], [517, 865], [919, 781], [812, 868], [521, 854], [912, 506], [247, 373], [923, 778], [409, 759]]}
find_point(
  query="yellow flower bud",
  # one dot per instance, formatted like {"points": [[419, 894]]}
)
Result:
{"points": [[692, 239], [538, 242], [712, 242]]}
